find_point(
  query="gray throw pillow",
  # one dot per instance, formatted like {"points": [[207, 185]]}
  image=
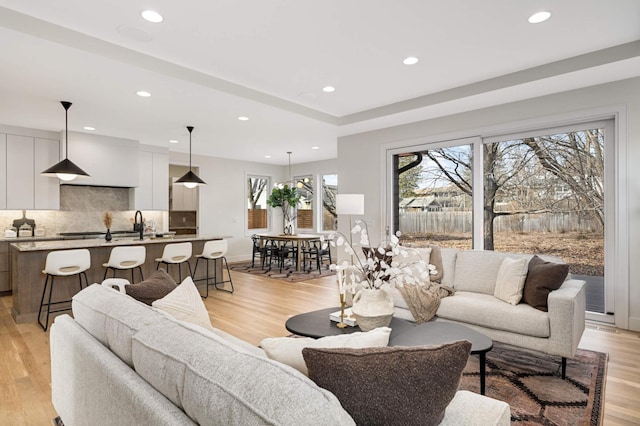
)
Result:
{"points": [[542, 278], [391, 385], [155, 287]]}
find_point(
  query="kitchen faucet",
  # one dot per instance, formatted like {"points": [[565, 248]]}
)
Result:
{"points": [[138, 226]]}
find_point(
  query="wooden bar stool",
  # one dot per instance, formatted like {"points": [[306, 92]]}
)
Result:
{"points": [[214, 250], [124, 257], [62, 263], [176, 254]]}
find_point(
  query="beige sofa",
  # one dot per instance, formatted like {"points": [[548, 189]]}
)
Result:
{"points": [[473, 274], [120, 362]]}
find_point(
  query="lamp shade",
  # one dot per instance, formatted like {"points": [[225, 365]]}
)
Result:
{"points": [[350, 204], [66, 169], [190, 180]]}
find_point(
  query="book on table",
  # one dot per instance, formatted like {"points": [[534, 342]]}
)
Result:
{"points": [[349, 318]]}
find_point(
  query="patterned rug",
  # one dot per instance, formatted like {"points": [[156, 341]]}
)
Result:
{"points": [[288, 273], [531, 383]]}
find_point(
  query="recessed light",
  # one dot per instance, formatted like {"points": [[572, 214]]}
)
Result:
{"points": [[410, 60], [243, 118], [89, 128], [328, 89], [143, 93], [173, 141], [267, 156], [538, 17], [152, 16], [315, 147]]}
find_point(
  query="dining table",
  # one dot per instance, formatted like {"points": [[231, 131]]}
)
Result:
{"points": [[298, 239]]}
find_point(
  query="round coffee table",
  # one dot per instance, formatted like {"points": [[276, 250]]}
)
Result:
{"points": [[317, 324]]}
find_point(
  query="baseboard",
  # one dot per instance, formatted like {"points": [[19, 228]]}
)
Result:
{"points": [[634, 323]]}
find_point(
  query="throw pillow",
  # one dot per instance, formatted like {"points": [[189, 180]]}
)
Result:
{"points": [[157, 286], [288, 350], [436, 260], [510, 280], [392, 385], [542, 279], [185, 304]]}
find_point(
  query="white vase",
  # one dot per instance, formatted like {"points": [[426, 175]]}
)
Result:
{"points": [[372, 309]]}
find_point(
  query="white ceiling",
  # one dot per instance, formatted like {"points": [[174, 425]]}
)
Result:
{"points": [[212, 61]]}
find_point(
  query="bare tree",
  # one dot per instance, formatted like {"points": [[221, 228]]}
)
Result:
{"points": [[255, 188], [577, 160], [526, 175]]}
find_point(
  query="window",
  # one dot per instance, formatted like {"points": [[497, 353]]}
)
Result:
{"points": [[257, 187], [546, 194], [540, 192], [434, 203], [329, 191], [305, 207]]}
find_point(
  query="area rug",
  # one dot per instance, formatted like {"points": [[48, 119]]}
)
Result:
{"points": [[288, 273], [532, 385]]}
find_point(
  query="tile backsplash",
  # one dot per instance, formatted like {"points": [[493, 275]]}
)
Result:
{"points": [[82, 209]]}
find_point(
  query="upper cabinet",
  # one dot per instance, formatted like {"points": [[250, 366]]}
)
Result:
{"points": [[3, 171], [152, 192], [108, 161], [24, 158]]}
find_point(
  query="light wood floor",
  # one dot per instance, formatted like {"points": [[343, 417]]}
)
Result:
{"points": [[258, 308]]}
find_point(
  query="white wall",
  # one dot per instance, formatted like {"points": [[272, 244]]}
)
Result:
{"points": [[361, 161], [223, 199]]}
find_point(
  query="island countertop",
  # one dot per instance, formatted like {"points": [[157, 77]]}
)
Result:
{"points": [[27, 259], [100, 242]]}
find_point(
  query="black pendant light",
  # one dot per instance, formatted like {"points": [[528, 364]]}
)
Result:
{"points": [[65, 170], [190, 179]]}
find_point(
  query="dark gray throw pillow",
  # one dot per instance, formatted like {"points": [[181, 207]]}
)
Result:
{"points": [[157, 286], [391, 385], [542, 278]]}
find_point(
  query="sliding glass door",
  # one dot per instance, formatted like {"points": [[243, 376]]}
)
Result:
{"points": [[548, 192]]}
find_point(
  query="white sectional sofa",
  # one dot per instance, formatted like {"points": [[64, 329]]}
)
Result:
{"points": [[473, 274], [120, 362]]}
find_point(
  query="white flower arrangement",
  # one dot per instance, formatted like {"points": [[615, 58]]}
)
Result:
{"points": [[371, 267]]}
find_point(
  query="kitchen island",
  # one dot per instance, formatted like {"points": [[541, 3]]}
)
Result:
{"points": [[27, 260]]}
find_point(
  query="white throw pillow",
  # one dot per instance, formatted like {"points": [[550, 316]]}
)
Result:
{"points": [[510, 279], [288, 350], [185, 304]]}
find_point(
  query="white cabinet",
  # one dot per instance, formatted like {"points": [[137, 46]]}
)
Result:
{"points": [[20, 172], [152, 192], [46, 189], [3, 171], [108, 161], [183, 198], [160, 178], [26, 157]]}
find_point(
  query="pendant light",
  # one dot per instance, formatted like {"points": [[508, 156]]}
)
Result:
{"points": [[65, 170], [190, 179]]}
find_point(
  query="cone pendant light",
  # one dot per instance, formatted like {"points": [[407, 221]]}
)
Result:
{"points": [[190, 179], [65, 170]]}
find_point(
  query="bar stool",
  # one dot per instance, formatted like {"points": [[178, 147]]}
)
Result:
{"points": [[62, 263], [122, 258], [214, 250], [176, 253]]}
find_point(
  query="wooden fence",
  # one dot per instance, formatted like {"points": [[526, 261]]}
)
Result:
{"points": [[418, 222]]}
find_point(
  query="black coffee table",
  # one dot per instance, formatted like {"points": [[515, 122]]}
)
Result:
{"points": [[317, 324]]}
